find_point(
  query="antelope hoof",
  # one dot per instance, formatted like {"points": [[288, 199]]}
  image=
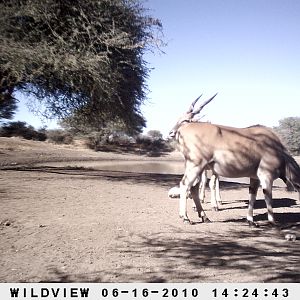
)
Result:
{"points": [[186, 221], [206, 220], [273, 223], [253, 224], [290, 237]]}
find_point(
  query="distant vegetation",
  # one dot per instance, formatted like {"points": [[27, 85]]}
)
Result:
{"points": [[114, 137], [22, 129], [151, 143], [289, 131]]}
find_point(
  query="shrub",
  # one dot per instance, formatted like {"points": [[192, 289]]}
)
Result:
{"points": [[95, 139], [22, 129], [120, 138], [59, 136], [289, 131], [144, 140], [155, 134]]}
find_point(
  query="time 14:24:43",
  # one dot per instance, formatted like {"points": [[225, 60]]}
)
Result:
{"points": [[245, 293]]}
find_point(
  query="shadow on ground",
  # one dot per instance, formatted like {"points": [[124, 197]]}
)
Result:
{"points": [[284, 220], [248, 254], [181, 255]]}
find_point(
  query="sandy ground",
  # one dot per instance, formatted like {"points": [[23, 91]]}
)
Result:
{"points": [[72, 224]]}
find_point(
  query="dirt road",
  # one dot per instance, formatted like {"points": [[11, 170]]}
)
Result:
{"points": [[74, 224]]}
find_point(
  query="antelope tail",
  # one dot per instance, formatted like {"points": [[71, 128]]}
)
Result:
{"points": [[292, 172]]}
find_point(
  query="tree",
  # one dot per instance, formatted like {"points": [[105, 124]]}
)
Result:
{"points": [[8, 104], [78, 57], [289, 131]]}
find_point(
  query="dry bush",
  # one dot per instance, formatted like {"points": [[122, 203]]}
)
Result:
{"points": [[59, 136]]}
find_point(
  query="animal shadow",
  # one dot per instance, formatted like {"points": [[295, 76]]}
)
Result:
{"points": [[276, 203]]}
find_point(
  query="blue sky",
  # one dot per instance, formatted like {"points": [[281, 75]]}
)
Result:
{"points": [[246, 50]]}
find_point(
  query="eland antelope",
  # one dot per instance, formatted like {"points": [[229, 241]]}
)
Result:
{"points": [[254, 152], [214, 185]]}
